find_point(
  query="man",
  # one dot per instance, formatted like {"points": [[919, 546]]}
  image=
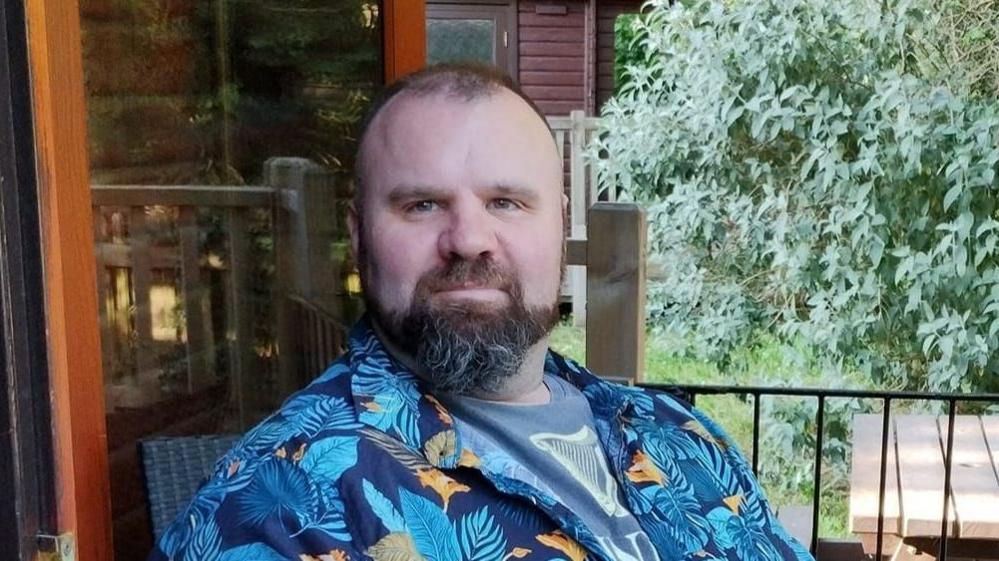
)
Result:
{"points": [[448, 431]]}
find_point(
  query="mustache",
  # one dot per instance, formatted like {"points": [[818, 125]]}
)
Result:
{"points": [[461, 273]]}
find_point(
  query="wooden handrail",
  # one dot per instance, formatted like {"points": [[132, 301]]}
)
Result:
{"points": [[182, 195]]}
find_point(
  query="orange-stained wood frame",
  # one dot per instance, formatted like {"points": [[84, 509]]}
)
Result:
{"points": [[405, 37], [74, 350], [80, 447]]}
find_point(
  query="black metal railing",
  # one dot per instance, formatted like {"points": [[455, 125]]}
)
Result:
{"points": [[691, 392]]}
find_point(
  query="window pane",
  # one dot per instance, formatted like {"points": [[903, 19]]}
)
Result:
{"points": [[450, 40], [210, 124]]}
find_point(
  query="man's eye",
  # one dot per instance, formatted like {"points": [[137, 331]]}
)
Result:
{"points": [[422, 206], [504, 204]]}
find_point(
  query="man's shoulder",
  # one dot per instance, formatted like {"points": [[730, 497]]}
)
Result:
{"points": [[326, 404], [288, 461], [669, 404]]}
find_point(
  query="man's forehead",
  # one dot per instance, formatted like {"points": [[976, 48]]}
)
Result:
{"points": [[416, 125], [411, 105]]}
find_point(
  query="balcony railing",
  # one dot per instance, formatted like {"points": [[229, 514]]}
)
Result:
{"points": [[986, 549]]}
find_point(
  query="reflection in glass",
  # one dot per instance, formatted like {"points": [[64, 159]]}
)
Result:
{"points": [[200, 276], [450, 40]]}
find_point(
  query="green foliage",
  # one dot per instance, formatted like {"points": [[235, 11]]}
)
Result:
{"points": [[807, 174], [627, 51], [964, 45]]}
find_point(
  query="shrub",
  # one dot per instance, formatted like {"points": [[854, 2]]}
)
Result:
{"points": [[807, 174], [965, 46]]}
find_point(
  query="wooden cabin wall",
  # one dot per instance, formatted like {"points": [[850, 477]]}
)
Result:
{"points": [[552, 51], [552, 55]]}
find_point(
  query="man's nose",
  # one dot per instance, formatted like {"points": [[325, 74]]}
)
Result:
{"points": [[468, 235]]}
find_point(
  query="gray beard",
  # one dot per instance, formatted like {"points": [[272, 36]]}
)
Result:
{"points": [[466, 348], [462, 350]]}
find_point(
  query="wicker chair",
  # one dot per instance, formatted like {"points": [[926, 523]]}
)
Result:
{"points": [[174, 467]]}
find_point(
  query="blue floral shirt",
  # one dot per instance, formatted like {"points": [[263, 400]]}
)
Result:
{"points": [[365, 464]]}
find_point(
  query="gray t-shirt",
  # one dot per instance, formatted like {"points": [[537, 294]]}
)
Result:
{"points": [[555, 448]]}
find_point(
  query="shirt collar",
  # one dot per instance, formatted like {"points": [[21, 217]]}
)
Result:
{"points": [[390, 398]]}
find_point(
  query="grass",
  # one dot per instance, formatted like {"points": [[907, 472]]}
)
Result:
{"points": [[764, 364]]}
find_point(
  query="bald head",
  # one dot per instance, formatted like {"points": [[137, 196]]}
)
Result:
{"points": [[454, 83]]}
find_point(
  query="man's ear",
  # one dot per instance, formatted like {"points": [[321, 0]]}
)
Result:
{"points": [[354, 227]]}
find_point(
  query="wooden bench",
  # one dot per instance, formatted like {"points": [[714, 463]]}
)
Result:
{"points": [[914, 486]]}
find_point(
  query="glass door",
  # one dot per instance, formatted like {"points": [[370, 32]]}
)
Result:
{"points": [[221, 136]]}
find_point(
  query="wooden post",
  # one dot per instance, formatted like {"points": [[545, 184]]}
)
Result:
{"points": [[197, 316], [307, 225], [246, 391], [590, 56], [146, 364], [104, 317], [305, 228], [577, 212], [615, 287]]}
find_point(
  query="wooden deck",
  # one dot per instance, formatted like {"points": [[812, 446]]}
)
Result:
{"points": [[914, 486]]}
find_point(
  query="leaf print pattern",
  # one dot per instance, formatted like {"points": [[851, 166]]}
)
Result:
{"points": [[383, 508], [522, 514], [565, 544], [326, 459], [328, 517], [333, 555], [643, 470], [441, 446], [396, 546], [395, 397], [279, 489], [205, 543], [308, 415], [431, 529], [251, 552], [735, 532], [443, 485], [406, 457], [442, 413], [481, 538], [364, 464]]}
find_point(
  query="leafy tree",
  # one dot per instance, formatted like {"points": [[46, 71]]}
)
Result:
{"points": [[808, 172]]}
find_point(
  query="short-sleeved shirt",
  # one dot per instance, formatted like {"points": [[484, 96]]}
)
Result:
{"points": [[366, 463]]}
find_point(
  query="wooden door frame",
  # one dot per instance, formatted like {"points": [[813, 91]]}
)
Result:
{"points": [[76, 382], [404, 37], [27, 502], [75, 379]]}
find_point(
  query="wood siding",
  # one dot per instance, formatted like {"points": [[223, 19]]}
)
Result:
{"points": [[607, 12], [552, 55]]}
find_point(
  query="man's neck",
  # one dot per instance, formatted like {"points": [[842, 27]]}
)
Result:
{"points": [[526, 387]]}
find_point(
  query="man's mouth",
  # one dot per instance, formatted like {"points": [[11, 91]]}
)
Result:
{"points": [[472, 291]]}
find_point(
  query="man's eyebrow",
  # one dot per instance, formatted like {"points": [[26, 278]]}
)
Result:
{"points": [[404, 193], [513, 191]]}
